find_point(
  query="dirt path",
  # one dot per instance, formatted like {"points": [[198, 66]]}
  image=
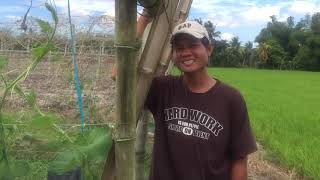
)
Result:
{"points": [[261, 169]]}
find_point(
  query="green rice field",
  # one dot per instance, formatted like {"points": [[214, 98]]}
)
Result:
{"points": [[284, 108]]}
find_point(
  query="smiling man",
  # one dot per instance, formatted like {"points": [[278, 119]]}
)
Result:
{"points": [[202, 126]]}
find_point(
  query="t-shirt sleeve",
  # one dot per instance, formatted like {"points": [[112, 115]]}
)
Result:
{"points": [[242, 138], [152, 101]]}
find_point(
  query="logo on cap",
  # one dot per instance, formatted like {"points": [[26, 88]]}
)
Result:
{"points": [[185, 25]]}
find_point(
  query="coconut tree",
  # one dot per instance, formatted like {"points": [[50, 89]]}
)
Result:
{"points": [[263, 52]]}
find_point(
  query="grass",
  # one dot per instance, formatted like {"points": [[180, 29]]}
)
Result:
{"points": [[284, 112]]}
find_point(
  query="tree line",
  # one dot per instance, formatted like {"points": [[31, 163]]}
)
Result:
{"points": [[281, 45]]}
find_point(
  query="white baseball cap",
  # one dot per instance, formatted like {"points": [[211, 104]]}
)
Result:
{"points": [[192, 28]]}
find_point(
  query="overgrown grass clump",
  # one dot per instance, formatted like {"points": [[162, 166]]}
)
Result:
{"points": [[284, 112]]}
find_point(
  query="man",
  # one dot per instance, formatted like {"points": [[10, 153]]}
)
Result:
{"points": [[202, 129]]}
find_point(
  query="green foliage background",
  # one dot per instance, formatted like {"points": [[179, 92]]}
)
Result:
{"points": [[280, 45]]}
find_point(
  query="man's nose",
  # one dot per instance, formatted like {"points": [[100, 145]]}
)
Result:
{"points": [[186, 51]]}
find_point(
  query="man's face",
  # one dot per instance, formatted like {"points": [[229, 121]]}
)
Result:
{"points": [[189, 54]]}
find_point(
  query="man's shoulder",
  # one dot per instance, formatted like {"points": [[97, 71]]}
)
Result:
{"points": [[229, 91]]}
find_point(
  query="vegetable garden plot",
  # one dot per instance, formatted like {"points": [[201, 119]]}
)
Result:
{"points": [[39, 135]]}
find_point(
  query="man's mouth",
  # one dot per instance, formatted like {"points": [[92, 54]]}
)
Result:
{"points": [[188, 62]]}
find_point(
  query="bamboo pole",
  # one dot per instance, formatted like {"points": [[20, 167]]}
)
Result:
{"points": [[126, 51], [149, 59], [109, 172], [140, 146], [180, 16], [151, 54]]}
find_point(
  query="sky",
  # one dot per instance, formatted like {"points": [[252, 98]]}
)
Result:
{"points": [[232, 18]]}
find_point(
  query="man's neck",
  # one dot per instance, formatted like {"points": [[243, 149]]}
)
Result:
{"points": [[198, 82]]}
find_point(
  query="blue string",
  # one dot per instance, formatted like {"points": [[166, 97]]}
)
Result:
{"points": [[76, 73]]}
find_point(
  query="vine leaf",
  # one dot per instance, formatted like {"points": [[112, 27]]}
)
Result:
{"points": [[39, 51], [18, 90], [42, 122], [45, 26], [31, 98], [53, 12], [92, 146]]}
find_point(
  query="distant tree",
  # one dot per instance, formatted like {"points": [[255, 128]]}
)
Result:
{"points": [[303, 59], [263, 52], [304, 24], [213, 34], [219, 53], [247, 53], [199, 20], [211, 28], [235, 43], [315, 23], [290, 21], [233, 53], [273, 55]]}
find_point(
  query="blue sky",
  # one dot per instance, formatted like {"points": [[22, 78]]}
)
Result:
{"points": [[239, 18]]}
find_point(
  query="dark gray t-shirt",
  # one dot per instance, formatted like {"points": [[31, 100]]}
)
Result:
{"points": [[197, 135]]}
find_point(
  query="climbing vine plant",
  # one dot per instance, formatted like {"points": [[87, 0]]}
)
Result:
{"points": [[86, 150], [10, 170]]}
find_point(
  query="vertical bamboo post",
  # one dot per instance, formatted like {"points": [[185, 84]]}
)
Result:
{"points": [[126, 51], [180, 16], [148, 62], [151, 54], [140, 146]]}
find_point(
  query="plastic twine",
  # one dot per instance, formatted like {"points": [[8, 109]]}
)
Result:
{"points": [[76, 73]]}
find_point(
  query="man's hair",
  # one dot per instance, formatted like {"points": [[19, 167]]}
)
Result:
{"points": [[205, 42]]}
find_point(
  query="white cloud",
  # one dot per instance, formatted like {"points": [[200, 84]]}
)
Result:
{"points": [[304, 7], [87, 7], [11, 9], [12, 17], [227, 36], [232, 13], [236, 13], [256, 14]]}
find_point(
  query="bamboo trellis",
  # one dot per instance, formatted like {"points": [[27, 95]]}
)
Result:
{"points": [[153, 60]]}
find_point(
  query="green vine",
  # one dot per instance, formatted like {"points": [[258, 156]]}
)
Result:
{"points": [[38, 55]]}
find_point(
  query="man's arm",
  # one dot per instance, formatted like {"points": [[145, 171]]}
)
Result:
{"points": [[142, 22], [239, 169]]}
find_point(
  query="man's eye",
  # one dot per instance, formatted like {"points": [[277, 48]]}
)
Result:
{"points": [[194, 45]]}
